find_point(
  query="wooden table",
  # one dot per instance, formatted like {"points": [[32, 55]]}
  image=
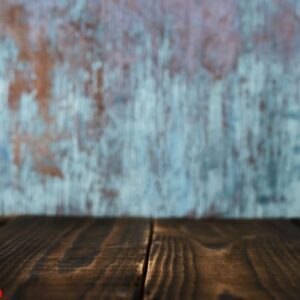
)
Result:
{"points": [[85, 258]]}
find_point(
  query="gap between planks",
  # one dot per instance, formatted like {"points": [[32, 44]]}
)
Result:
{"points": [[147, 257]]}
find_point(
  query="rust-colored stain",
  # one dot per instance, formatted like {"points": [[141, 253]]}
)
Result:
{"points": [[43, 157], [98, 93], [110, 193], [286, 30], [281, 33], [13, 22], [88, 46], [40, 60], [17, 143], [18, 86], [50, 170], [221, 41], [42, 65]]}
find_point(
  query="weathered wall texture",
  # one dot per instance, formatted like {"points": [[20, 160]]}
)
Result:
{"points": [[165, 107]]}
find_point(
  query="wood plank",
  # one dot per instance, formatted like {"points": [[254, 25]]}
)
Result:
{"points": [[296, 222], [73, 258], [5, 219], [2, 222], [212, 259]]}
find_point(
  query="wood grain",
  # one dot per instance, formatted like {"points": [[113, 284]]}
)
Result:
{"points": [[73, 258], [224, 260]]}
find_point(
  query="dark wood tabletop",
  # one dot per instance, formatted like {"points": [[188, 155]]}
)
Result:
{"points": [[124, 258]]}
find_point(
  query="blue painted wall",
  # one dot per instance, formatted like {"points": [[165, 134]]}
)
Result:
{"points": [[137, 107]]}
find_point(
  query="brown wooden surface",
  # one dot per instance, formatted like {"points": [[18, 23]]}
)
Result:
{"points": [[85, 258], [68, 258], [224, 260]]}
